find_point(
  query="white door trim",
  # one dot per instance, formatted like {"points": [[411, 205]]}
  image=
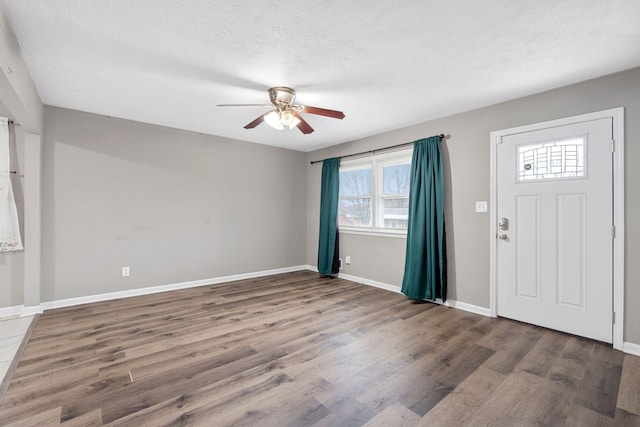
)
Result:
{"points": [[617, 114]]}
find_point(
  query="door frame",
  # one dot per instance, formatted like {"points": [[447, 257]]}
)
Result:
{"points": [[617, 116]]}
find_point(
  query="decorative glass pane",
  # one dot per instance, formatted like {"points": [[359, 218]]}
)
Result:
{"points": [[354, 207], [395, 179], [395, 212], [563, 159]]}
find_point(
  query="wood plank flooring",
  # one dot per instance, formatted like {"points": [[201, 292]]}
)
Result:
{"points": [[296, 350]]}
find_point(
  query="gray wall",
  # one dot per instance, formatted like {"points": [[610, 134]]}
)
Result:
{"points": [[12, 263], [175, 206], [19, 101], [467, 153]]}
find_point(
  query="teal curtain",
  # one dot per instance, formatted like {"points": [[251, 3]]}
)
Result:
{"points": [[328, 262], [425, 269]]}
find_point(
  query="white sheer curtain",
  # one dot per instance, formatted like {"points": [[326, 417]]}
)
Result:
{"points": [[9, 229]]}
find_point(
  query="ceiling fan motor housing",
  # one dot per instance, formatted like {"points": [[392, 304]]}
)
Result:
{"points": [[282, 96]]}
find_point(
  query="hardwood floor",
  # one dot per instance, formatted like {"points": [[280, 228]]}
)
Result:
{"points": [[296, 349]]}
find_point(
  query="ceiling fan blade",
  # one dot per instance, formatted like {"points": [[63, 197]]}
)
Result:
{"points": [[323, 112], [255, 123], [244, 105], [302, 125]]}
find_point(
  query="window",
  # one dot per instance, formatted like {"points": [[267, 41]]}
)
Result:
{"points": [[355, 197], [374, 193], [564, 159]]}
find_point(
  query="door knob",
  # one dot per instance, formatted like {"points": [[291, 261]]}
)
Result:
{"points": [[502, 237]]}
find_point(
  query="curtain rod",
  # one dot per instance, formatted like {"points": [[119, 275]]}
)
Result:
{"points": [[374, 151]]}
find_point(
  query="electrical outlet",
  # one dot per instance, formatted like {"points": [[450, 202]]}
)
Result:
{"points": [[347, 259], [481, 206], [125, 272]]}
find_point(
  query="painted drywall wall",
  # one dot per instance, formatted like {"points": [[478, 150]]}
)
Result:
{"points": [[19, 101], [20, 271], [466, 157], [172, 205], [12, 263]]}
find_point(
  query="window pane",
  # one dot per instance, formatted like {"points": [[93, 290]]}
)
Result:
{"points": [[396, 212], [354, 208], [355, 183], [355, 211], [395, 179], [552, 160]]}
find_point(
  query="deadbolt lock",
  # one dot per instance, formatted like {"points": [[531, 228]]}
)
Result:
{"points": [[503, 224]]}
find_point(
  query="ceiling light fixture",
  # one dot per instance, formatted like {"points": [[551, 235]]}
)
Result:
{"points": [[273, 119], [287, 118], [279, 119]]}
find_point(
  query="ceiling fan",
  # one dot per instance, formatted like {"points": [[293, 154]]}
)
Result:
{"points": [[285, 112]]}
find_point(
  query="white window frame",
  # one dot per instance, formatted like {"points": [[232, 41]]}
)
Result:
{"points": [[377, 162]]}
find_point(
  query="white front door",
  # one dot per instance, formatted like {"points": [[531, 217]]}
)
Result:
{"points": [[554, 251]]}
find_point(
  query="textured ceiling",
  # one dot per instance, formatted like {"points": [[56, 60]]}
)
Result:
{"points": [[385, 64]]}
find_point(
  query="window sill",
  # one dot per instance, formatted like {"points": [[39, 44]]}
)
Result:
{"points": [[401, 234]]}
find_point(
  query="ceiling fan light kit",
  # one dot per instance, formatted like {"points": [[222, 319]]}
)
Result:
{"points": [[272, 120], [288, 119], [285, 112]]}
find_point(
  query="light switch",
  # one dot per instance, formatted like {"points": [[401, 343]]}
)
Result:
{"points": [[481, 206]]}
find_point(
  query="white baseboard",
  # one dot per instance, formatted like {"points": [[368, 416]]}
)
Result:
{"points": [[393, 288], [631, 348], [360, 280], [13, 311], [31, 310], [48, 305], [468, 307], [370, 282], [19, 311]]}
